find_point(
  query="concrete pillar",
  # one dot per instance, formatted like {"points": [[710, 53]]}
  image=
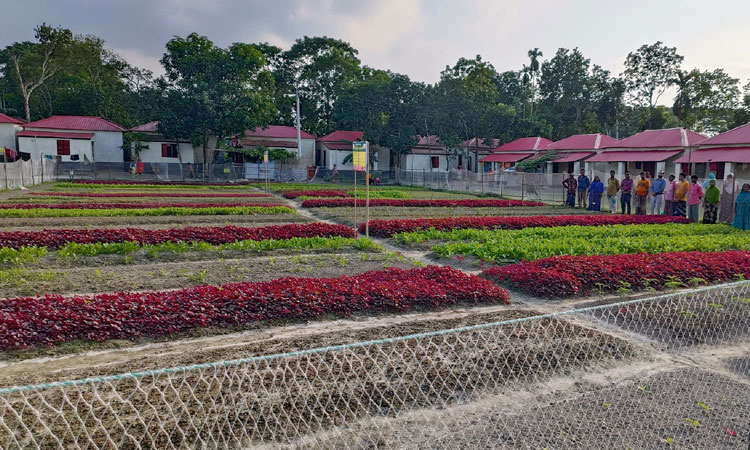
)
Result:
{"points": [[587, 168], [620, 170], [728, 168], [576, 167], [659, 167], [550, 166], [677, 169]]}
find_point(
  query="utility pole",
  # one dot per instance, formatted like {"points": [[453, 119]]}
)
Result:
{"points": [[299, 125]]}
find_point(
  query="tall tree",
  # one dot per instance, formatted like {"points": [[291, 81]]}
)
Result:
{"points": [[531, 74], [564, 92], [320, 67], [214, 92], [32, 64], [649, 71], [706, 100]]}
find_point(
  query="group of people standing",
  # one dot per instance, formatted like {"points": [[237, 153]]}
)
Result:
{"points": [[680, 197]]}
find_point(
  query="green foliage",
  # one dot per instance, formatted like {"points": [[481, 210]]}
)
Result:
{"points": [[536, 243], [532, 164], [255, 154], [170, 211]]}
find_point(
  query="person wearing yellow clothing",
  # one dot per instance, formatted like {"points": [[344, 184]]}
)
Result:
{"points": [[641, 194], [680, 197]]}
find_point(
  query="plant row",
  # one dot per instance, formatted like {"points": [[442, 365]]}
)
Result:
{"points": [[26, 255], [387, 228], [160, 183], [54, 239], [475, 203], [152, 194], [315, 193], [169, 211], [54, 319], [146, 186], [536, 243], [564, 276], [140, 205]]}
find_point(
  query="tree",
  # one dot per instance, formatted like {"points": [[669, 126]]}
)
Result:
{"points": [[706, 99], [564, 92], [649, 71], [531, 74], [607, 97], [32, 64], [214, 92], [320, 67]]}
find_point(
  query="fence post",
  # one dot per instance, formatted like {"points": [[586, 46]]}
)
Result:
{"points": [[424, 181], [482, 175], [523, 183], [502, 182]]}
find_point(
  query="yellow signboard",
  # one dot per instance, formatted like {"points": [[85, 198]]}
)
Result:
{"points": [[359, 155], [265, 157]]}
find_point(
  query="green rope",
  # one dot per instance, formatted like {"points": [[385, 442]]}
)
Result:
{"points": [[362, 344]]}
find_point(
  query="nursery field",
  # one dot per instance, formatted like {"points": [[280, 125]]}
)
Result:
{"points": [[307, 334]]}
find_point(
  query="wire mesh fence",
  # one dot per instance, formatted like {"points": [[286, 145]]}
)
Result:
{"points": [[25, 173], [652, 373]]}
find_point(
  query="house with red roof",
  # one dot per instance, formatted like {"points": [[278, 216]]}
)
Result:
{"points": [[428, 154], [570, 151], [159, 149], [728, 152], [333, 148], [9, 126], [73, 138], [278, 137], [648, 151], [507, 155], [475, 149]]}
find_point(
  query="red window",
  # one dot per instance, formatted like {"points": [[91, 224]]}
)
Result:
{"points": [[435, 162], [63, 147], [169, 150]]}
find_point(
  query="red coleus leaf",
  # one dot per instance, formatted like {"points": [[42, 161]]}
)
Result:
{"points": [[475, 203], [54, 239], [152, 194], [139, 205], [316, 193], [162, 183], [563, 276], [52, 319], [387, 228]]}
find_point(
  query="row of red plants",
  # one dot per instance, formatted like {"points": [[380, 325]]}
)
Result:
{"points": [[139, 205], [474, 203], [162, 182], [315, 193], [54, 239], [53, 319], [564, 276], [151, 194], [387, 228]]}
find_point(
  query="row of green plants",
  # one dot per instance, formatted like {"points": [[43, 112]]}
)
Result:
{"points": [[535, 243], [145, 186], [169, 211], [24, 255]]}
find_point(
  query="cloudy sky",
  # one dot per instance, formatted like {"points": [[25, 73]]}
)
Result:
{"points": [[415, 37]]}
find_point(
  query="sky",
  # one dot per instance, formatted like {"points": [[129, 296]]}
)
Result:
{"points": [[414, 37]]}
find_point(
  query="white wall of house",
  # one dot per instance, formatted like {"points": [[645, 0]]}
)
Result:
{"points": [[336, 157], [39, 146], [107, 144], [423, 162], [153, 153], [307, 155], [8, 135]]}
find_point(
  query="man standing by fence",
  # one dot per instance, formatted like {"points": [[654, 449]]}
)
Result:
{"points": [[583, 187], [627, 190], [613, 185], [658, 186]]}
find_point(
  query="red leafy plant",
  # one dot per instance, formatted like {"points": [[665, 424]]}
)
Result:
{"points": [[140, 205], [387, 228], [564, 276], [152, 194], [56, 238], [475, 203], [315, 193], [53, 319], [161, 182]]}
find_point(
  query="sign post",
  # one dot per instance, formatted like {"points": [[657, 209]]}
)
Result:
{"points": [[359, 161], [265, 163], [5, 166]]}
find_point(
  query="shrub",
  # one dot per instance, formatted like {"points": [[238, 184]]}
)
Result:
{"points": [[564, 276], [387, 228], [53, 319]]}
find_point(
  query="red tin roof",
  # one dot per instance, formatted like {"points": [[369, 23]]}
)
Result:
{"points": [[739, 135], [583, 142], [717, 154], [633, 156], [340, 135], [86, 123], [669, 137], [8, 119], [505, 157], [524, 144], [54, 134]]}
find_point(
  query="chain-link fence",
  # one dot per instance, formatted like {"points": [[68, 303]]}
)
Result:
{"points": [[652, 373], [25, 173]]}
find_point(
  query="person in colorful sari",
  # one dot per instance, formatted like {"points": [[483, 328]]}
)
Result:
{"points": [[669, 196], [742, 210], [680, 197], [711, 203], [695, 195], [729, 191], [571, 186], [596, 192], [707, 183]]}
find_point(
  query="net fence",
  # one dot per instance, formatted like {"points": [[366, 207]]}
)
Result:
{"points": [[651, 373]]}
